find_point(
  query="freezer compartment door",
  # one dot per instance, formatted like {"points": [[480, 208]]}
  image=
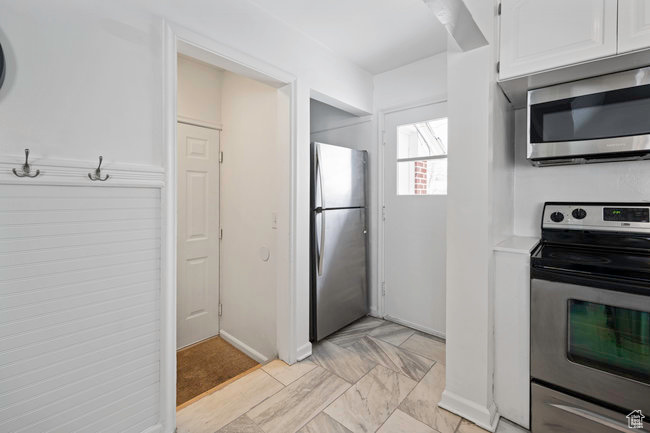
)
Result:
{"points": [[339, 176], [340, 293]]}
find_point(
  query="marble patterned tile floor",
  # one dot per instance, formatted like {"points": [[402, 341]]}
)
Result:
{"points": [[372, 376]]}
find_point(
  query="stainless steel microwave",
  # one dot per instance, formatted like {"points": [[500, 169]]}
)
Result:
{"points": [[599, 119]]}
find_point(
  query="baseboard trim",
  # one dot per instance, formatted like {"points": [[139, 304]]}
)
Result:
{"points": [[424, 329], [257, 356], [375, 313], [484, 417], [153, 429], [304, 351]]}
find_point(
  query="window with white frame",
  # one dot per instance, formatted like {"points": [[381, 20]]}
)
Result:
{"points": [[422, 158]]}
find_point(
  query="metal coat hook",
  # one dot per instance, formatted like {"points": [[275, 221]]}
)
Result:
{"points": [[26, 170], [98, 172]]}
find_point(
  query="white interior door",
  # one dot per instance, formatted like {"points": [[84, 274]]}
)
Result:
{"points": [[198, 234], [415, 198]]}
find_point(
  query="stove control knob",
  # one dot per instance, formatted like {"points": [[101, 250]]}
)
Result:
{"points": [[579, 213], [557, 217]]}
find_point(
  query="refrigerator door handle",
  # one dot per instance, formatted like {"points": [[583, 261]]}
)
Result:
{"points": [[319, 173], [321, 245], [319, 210]]}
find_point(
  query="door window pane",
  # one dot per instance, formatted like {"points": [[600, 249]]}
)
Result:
{"points": [[422, 177], [422, 139], [612, 339], [422, 158]]}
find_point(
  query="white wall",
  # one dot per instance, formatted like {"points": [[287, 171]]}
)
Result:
{"points": [[421, 81], [479, 127], [251, 194], [324, 116], [84, 78], [468, 380], [199, 92], [615, 181]]}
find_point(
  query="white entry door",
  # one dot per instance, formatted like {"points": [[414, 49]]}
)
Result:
{"points": [[415, 198], [198, 234]]}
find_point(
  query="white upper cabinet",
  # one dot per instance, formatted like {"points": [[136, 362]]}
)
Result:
{"points": [[537, 35], [633, 25]]}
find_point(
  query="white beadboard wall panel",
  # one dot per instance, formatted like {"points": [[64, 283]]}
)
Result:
{"points": [[66, 332], [26, 298], [128, 409], [146, 426], [67, 305], [66, 316], [27, 359], [79, 216], [44, 255], [50, 370], [80, 283], [62, 395], [92, 239], [20, 231], [71, 266]]}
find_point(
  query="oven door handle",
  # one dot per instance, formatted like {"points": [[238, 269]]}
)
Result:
{"points": [[588, 280], [592, 416]]}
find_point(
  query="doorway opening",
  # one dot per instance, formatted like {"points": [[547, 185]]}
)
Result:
{"points": [[232, 213], [414, 216]]}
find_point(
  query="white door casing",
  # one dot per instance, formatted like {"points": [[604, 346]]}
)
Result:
{"points": [[198, 234], [414, 234], [633, 25], [542, 35]]}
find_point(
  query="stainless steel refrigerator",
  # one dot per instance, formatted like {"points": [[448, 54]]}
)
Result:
{"points": [[339, 293]]}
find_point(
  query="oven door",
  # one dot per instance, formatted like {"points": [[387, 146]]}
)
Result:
{"points": [[592, 341], [608, 116]]}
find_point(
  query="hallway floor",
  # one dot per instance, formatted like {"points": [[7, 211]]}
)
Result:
{"points": [[372, 376], [207, 364]]}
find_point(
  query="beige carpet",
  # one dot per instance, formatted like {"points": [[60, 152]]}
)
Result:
{"points": [[203, 366]]}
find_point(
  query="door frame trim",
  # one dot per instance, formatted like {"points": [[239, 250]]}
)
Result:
{"points": [[381, 169], [176, 38]]}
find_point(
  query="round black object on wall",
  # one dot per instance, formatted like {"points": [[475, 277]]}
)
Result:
{"points": [[2, 66]]}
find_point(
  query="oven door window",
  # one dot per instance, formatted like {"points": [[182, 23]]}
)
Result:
{"points": [[608, 338], [616, 113]]}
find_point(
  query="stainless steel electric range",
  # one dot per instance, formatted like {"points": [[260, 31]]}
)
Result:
{"points": [[590, 319]]}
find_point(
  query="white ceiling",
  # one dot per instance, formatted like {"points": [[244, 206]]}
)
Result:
{"points": [[377, 35]]}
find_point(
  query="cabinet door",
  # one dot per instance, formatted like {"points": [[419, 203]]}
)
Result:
{"points": [[540, 35], [633, 25]]}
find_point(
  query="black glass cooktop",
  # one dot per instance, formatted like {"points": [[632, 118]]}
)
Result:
{"points": [[604, 262]]}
